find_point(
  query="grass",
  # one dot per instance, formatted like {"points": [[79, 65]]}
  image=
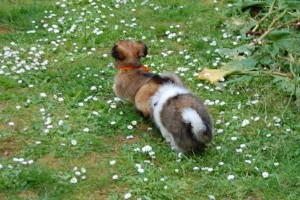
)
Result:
{"points": [[55, 127]]}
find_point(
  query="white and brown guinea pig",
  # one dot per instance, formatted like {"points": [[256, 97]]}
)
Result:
{"points": [[182, 118]]}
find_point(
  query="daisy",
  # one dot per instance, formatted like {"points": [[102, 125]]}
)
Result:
{"points": [[127, 195], [265, 174], [43, 94], [73, 142], [230, 177], [130, 127], [147, 148], [73, 180], [115, 177], [245, 122], [112, 162], [86, 130]]}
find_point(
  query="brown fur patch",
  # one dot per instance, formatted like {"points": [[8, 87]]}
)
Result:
{"points": [[171, 116], [128, 53], [136, 84]]}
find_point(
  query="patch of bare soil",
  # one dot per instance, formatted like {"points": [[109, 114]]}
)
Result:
{"points": [[4, 29]]}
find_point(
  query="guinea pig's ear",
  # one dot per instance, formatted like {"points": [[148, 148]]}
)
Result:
{"points": [[143, 50], [116, 52]]}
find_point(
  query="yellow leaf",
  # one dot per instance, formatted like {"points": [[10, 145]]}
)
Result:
{"points": [[214, 75], [235, 66]]}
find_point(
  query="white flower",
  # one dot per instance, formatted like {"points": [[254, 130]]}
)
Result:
{"points": [[276, 164], [83, 170], [60, 122], [147, 148], [248, 161], [140, 170], [137, 150], [95, 113], [43, 94], [1, 166], [30, 162], [86, 130], [134, 123], [129, 137], [277, 119], [256, 119], [265, 174], [221, 163], [130, 127], [233, 138], [73, 142], [127, 195], [213, 43], [115, 177], [196, 168], [230, 177], [78, 173], [93, 88], [220, 131], [113, 123], [80, 104], [112, 162], [245, 122], [11, 123], [138, 165], [239, 150], [211, 197], [218, 147], [73, 180]]}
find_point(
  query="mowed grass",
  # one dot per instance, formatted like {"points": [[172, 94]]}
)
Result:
{"points": [[64, 135]]}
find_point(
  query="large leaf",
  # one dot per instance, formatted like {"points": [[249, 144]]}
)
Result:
{"points": [[233, 53], [233, 67], [248, 4], [293, 4], [286, 39]]}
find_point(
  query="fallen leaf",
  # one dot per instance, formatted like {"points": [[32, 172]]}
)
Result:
{"points": [[238, 65]]}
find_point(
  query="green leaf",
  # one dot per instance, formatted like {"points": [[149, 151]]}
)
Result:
{"points": [[293, 4], [285, 39], [249, 4], [296, 14], [233, 53]]}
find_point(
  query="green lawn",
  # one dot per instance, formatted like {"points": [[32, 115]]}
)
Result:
{"points": [[65, 135]]}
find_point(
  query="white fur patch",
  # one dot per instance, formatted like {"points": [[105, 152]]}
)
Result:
{"points": [[190, 115], [164, 93]]}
